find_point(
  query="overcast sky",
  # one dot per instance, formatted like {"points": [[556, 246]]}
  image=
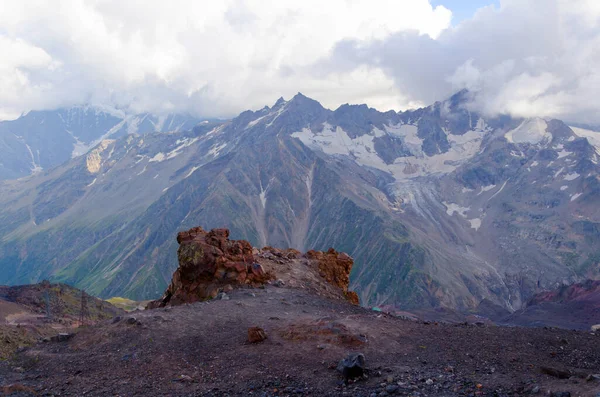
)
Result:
{"points": [[218, 58]]}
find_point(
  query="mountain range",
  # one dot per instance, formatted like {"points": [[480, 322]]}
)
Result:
{"points": [[439, 206], [41, 140]]}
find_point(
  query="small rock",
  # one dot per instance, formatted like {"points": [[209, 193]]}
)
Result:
{"points": [[535, 390], [133, 321], [390, 379], [561, 394], [353, 366], [116, 319], [62, 337], [227, 288], [593, 377], [391, 389], [223, 296], [557, 373], [278, 283], [429, 382], [256, 334], [184, 378]]}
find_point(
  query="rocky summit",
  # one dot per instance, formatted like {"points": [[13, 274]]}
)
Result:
{"points": [[210, 263]]}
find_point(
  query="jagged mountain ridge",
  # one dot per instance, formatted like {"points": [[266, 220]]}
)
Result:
{"points": [[433, 204], [40, 140]]}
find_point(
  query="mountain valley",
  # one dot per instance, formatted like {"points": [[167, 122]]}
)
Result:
{"points": [[440, 207]]}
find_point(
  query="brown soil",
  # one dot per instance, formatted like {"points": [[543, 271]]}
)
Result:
{"points": [[201, 349]]}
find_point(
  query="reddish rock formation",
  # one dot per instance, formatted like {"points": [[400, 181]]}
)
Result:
{"points": [[210, 263], [256, 334], [335, 267]]}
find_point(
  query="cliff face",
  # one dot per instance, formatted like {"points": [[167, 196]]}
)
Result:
{"points": [[210, 263]]}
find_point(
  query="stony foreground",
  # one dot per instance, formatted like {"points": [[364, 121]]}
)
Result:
{"points": [[201, 349]]}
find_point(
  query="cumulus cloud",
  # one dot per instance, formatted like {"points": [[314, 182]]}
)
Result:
{"points": [[217, 58], [211, 58], [527, 58]]}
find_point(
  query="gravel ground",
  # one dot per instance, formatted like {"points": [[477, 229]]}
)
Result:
{"points": [[202, 350]]}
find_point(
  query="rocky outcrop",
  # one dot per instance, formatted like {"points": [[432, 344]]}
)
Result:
{"points": [[335, 268], [210, 263]]}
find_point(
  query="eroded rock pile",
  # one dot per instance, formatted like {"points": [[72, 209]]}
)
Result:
{"points": [[210, 263], [335, 268]]}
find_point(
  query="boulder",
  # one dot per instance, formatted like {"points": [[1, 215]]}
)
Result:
{"points": [[256, 334], [209, 262], [353, 366], [62, 337]]}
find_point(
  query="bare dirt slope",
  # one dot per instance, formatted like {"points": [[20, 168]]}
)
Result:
{"points": [[200, 349]]}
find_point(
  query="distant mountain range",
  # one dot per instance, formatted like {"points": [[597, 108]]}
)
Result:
{"points": [[41, 140], [440, 207]]}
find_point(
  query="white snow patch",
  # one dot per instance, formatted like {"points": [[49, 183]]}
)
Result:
{"points": [[361, 149], [571, 177], [515, 154], [183, 143], [263, 197], [215, 130], [575, 196], [309, 181], [486, 189], [565, 187], [451, 208], [191, 171], [142, 171], [277, 114], [559, 172], [534, 164], [79, 147], [498, 192], [216, 149], [254, 122], [408, 134], [110, 132], [475, 223], [158, 157], [35, 167], [466, 190], [593, 137], [92, 183], [529, 131], [564, 153]]}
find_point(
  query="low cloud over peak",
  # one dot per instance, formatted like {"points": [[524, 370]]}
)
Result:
{"points": [[525, 57]]}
